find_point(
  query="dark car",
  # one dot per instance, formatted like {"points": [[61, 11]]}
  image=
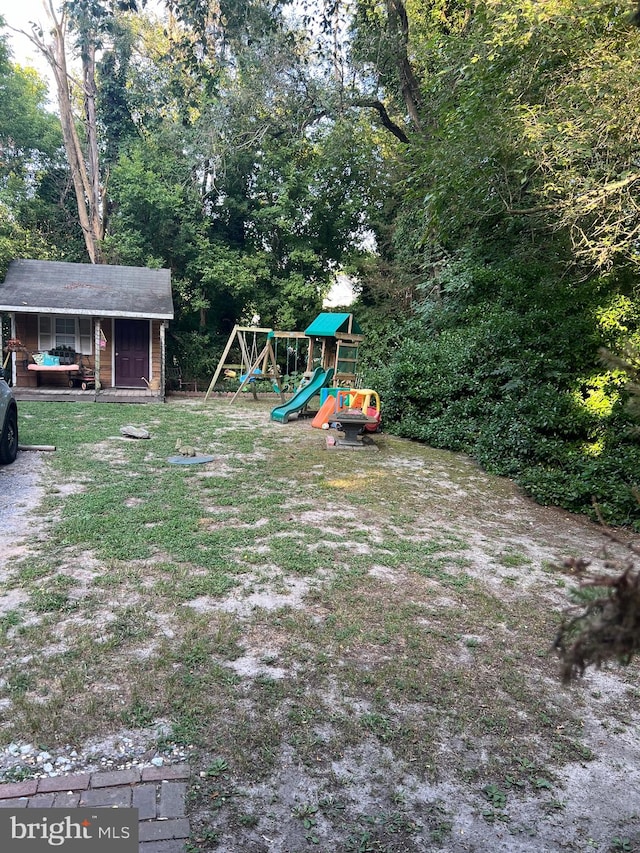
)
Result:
{"points": [[8, 425]]}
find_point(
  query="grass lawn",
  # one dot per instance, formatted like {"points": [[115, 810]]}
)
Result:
{"points": [[352, 647]]}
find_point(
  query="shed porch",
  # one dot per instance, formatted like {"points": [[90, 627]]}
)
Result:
{"points": [[77, 395]]}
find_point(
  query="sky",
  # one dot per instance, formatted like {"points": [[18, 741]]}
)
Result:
{"points": [[18, 13]]}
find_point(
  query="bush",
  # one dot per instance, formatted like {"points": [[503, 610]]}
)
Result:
{"points": [[513, 379]]}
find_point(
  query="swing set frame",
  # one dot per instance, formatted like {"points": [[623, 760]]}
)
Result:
{"points": [[254, 365]]}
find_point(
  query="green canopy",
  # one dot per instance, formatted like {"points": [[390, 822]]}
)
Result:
{"points": [[330, 325]]}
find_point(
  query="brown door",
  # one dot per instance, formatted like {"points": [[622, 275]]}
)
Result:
{"points": [[132, 353]]}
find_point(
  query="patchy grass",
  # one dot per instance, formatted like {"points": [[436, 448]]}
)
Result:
{"points": [[354, 646]]}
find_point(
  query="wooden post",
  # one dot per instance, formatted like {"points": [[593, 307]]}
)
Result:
{"points": [[221, 362], [312, 346], [96, 346], [14, 356], [163, 358]]}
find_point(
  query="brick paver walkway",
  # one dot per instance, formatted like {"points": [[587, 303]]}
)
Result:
{"points": [[157, 792]]}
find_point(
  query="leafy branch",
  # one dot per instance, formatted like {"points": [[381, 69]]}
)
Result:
{"points": [[608, 628], [629, 362]]}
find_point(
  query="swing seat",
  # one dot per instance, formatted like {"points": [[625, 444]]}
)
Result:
{"points": [[255, 376]]}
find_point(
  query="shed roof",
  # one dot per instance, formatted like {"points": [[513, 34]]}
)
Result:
{"points": [[57, 287], [329, 324]]}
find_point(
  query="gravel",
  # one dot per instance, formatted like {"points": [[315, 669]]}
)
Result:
{"points": [[119, 752]]}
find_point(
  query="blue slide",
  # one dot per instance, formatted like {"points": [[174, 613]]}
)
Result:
{"points": [[319, 380]]}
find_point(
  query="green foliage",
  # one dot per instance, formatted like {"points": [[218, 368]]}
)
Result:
{"points": [[246, 194], [512, 378], [16, 241], [532, 119], [508, 249], [33, 213], [195, 353]]}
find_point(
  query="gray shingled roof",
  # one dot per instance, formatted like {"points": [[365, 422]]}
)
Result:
{"points": [[56, 287]]}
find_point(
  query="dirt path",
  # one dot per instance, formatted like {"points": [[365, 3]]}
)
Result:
{"points": [[21, 490]]}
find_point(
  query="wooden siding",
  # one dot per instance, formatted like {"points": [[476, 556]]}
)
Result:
{"points": [[26, 330], [156, 355]]}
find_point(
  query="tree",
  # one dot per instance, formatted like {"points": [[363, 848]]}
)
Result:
{"points": [[81, 25], [511, 238], [85, 183], [268, 193], [364, 47], [31, 163]]}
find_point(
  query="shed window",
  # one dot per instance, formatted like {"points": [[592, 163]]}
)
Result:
{"points": [[57, 331]]}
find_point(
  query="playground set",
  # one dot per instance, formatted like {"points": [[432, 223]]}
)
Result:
{"points": [[333, 340]]}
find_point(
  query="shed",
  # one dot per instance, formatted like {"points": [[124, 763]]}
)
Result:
{"points": [[339, 336], [102, 321]]}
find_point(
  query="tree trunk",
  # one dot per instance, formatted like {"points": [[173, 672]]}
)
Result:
{"points": [[398, 23], [86, 183], [91, 124]]}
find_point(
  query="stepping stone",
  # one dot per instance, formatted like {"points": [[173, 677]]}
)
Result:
{"points": [[134, 432], [189, 460]]}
